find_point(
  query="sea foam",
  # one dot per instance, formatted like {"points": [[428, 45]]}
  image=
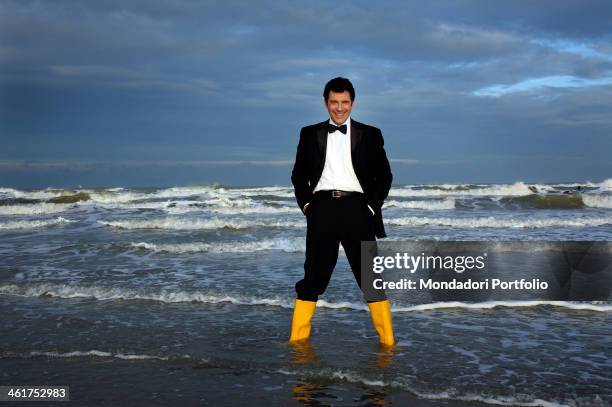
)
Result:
{"points": [[32, 224], [281, 244], [194, 224], [497, 222], [100, 292]]}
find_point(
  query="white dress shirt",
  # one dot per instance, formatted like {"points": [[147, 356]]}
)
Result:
{"points": [[338, 172]]}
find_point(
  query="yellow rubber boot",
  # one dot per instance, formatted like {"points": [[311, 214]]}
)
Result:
{"points": [[302, 314], [381, 318]]}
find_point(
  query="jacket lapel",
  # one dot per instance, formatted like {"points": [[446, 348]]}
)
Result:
{"points": [[356, 137], [322, 143], [322, 138]]}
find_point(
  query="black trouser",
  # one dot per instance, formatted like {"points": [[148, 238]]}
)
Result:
{"points": [[331, 221]]}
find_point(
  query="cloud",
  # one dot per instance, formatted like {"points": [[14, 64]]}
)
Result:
{"points": [[535, 84], [122, 77], [233, 82], [573, 47], [475, 42]]}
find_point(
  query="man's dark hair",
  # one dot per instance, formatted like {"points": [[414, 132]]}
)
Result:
{"points": [[339, 85]]}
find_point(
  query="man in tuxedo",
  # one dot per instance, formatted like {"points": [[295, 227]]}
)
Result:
{"points": [[341, 178]]}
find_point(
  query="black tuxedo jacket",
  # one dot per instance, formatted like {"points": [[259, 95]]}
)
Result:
{"points": [[369, 162]]}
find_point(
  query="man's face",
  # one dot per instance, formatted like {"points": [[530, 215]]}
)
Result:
{"points": [[339, 106]]}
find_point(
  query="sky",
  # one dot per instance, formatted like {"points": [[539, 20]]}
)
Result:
{"points": [[169, 93]]}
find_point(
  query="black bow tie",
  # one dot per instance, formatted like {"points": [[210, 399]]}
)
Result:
{"points": [[331, 128]]}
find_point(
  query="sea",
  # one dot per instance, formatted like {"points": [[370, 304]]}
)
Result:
{"points": [[184, 295]]}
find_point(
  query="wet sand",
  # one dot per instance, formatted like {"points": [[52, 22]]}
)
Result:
{"points": [[111, 382]]}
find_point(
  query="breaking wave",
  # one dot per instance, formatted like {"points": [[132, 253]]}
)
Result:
{"points": [[285, 245], [168, 296], [195, 224], [32, 224], [516, 189], [598, 201], [79, 354], [433, 205], [33, 209], [497, 222]]}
